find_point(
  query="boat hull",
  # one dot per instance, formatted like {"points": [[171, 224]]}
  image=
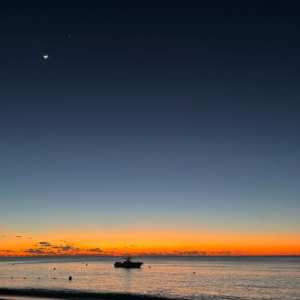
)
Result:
{"points": [[131, 265]]}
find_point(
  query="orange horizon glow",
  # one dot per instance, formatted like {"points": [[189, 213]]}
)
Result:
{"points": [[175, 242]]}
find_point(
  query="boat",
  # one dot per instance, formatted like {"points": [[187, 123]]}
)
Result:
{"points": [[128, 263]]}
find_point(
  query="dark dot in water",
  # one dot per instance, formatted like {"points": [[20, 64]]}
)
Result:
{"points": [[54, 269], [70, 278], [86, 264], [24, 278], [12, 278]]}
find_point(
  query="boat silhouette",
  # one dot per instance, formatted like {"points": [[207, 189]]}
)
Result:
{"points": [[128, 263]]}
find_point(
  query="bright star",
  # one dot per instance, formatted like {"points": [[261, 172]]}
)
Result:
{"points": [[45, 56]]}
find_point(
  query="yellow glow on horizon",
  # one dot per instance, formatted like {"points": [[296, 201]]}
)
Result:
{"points": [[148, 241]]}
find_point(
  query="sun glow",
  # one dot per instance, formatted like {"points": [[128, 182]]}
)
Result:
{"points": [[147, 242]]}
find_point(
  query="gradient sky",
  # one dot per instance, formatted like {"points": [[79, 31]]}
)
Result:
{"points": [[153, 127]]}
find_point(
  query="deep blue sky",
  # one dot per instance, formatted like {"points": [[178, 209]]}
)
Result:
{"points": [[172, 112]]}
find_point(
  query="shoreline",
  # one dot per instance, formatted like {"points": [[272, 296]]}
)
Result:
{"points": [[68, 294]]}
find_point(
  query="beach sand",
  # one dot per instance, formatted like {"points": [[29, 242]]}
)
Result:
{"points": [[6, 297], [40, 294]]}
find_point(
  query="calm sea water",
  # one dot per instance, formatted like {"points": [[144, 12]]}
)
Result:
{"points": [[173, 277]]}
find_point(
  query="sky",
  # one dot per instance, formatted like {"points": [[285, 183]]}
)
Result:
{"points": [[153, 128]]}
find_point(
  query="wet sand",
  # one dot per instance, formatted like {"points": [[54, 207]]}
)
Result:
{"points": [[6, 297], [40, 294]]}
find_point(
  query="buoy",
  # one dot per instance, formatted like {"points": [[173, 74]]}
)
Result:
{"points": [[54, 269], [149, 267], [70, 278], [86, 264]]}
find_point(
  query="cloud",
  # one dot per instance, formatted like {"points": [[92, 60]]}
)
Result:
{"points": [[3, 236], [46, 244], [189, 253], [203, 253], [133, 245], [29, 238], [221, 253], [95, 250], [65, 248], [35, 251], [63, 241], [18, 236]]}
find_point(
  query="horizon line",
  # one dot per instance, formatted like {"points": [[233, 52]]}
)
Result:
{"points": [[158, 255]]}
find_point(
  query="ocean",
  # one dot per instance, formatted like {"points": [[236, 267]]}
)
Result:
{"points": [[166, 277]]}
